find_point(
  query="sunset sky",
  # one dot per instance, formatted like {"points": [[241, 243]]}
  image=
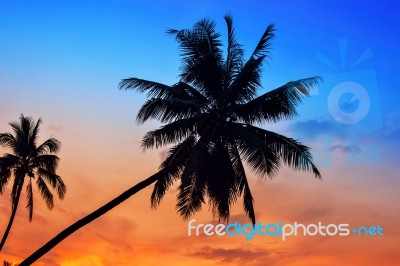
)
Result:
{"points": [[62, 61]]}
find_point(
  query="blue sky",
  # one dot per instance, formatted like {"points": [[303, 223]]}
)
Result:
{"points": [[64, 59], [100, 42], [76, 52]]}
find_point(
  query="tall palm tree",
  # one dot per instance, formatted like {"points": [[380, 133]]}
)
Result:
{"points": [[211, 117], [27, 162]]}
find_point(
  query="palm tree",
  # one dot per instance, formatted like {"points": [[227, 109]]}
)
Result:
{"points": [[211, 115], [7, 263], [27, 162]]}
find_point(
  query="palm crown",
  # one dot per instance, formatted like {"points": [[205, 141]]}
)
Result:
{"points": [[29, 161], [211, 116]]}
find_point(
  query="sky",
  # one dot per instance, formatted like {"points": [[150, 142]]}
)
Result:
{"points": [[62, 61]]}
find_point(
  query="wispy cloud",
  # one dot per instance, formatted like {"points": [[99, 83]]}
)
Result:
{"points": [[312, 129], [239, 255], [346, 149], [56, 128]]}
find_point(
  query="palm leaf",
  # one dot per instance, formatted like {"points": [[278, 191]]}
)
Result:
{"points": [[51, 145], [167, 110], [290, 151], [8, 163], [242, 186], [245, 85], [254, 150], [222, 180], [277, 104], [235, 52], [201, 57], [170, 133], [171, 168], [193, 180], [7, 140], [265, 42], [45, 192], [48, 162], [54, 180], [33, 134], [153, 89], [248, 202]]}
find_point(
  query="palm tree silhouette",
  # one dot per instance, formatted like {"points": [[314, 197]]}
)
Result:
{"points": [[7, 263], [211, 116], [29, 161]]}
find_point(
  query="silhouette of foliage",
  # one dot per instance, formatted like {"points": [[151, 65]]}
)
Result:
{"points": [[211, 115], [27, 162]]}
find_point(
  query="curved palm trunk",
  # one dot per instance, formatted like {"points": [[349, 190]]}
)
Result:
{"points": [[87, 219], [14, 211]]}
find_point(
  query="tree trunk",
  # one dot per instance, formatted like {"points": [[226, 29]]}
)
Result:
{"points": [[13, 212], [87, 219]]}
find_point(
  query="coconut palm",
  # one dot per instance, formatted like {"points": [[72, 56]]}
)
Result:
{"points": [[7, 263], [29, 162], [211, 116]]}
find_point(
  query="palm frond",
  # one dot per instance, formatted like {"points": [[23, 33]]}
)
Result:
{"points": [[25, 134], [170, 133], [243, 185], [8, 164], [248, 202], [277, 104], [54, 180], [195, 94], [45, 192], [201, 57], [254, 150], [244, 87], [7, 140], [290, 151], [192, 189], [5, 175], [51, 145], [48, 162], [167, 110], [265, 42], [154, 89], [171, 168], [235, 52], [238, 169], [222, 182], [33, 134]]}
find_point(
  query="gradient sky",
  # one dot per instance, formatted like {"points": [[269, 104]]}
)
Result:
{"points": [[63, 60]]}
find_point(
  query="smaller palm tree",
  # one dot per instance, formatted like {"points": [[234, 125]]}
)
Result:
{"points": [[27, 162], [7, 263]]}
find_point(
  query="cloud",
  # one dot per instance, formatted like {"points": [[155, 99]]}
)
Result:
{"points": [[346, 149], [240, 255], [119, 231], [315, 213], [312, 129], [56, 128], [241, 218], [391, 129]]}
